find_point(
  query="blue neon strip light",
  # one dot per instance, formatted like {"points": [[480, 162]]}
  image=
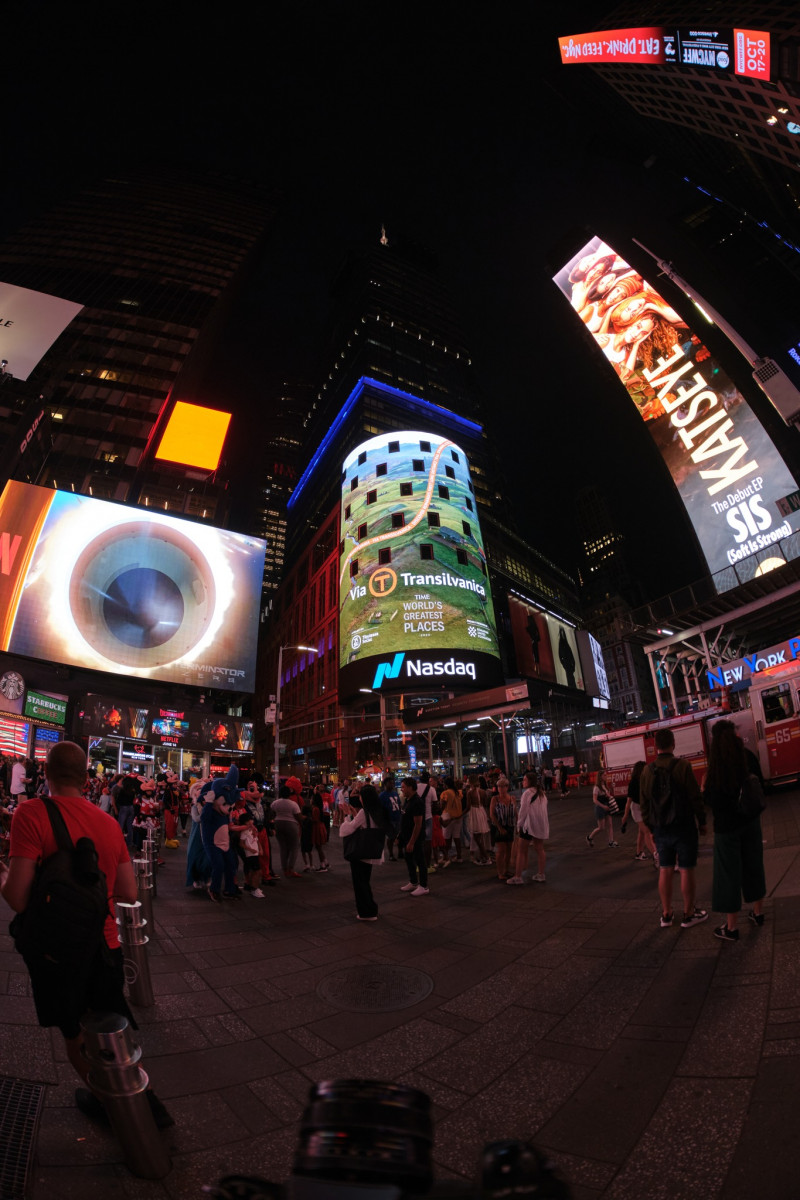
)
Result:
{"points": [[405, 398]]}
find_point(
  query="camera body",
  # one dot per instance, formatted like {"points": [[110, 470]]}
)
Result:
{"points": [[363, 1139]]}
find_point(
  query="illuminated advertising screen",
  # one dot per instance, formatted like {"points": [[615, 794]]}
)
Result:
{"points": [[14, 736], [127, 590], [194, 436], [415, 604], [728, 473], [731, 51], [29, 324], [545, 646], [47, 706], [594, 667]]}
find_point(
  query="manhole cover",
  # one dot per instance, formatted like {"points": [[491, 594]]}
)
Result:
{"points": [[375, 988]]}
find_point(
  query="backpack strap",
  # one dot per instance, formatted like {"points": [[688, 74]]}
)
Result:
{"points": [[59, 825]]}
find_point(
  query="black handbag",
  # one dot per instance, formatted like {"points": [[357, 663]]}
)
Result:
{"points": [[365, 842]]}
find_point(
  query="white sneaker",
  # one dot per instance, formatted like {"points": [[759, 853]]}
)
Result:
{"points": [[515, 881], [257, 892], [420, 891], [408, 887], [538, 879]]}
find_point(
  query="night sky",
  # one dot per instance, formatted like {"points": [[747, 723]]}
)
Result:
{"points": [[452, 125]]}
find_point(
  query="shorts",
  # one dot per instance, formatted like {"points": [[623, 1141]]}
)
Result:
{"points": [[600, 814], [676, 845], [62, 1000], [453, 828], [526, 837], [252, 862], [428, 829]]}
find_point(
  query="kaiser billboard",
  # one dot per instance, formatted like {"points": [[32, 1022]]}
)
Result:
{"points": [[415, 604], [127, 590], [725, 467]]}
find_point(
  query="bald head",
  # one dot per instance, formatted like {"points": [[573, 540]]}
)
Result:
{"points": [[66, 768]]}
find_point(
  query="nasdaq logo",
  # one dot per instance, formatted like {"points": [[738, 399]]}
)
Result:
{"points": [[388, 670]]}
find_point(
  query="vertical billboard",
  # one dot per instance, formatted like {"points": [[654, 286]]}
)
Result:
{"points": [[723, 463], [545, 646], [415, 603], [29, 324], [127, 590], [729, 51]]}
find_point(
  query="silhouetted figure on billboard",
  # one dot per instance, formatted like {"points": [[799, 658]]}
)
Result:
{"points": [[566, 657]]}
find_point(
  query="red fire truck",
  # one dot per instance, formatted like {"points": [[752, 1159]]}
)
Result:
{"points": [[767, 719]]}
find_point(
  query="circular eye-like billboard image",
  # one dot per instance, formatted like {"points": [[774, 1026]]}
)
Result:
{"points": [[415, 604]]}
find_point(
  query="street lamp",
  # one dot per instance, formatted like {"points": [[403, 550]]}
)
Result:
{"points": [[277, 765]]}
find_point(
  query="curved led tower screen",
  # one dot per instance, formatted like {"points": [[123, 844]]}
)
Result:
{"points": [[127, 590], [415, 605], [725, 466]]}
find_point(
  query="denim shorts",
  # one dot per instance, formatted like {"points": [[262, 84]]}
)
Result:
{"points": [[677, 844]]}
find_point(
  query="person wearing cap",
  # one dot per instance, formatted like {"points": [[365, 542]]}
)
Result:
{"points": [[215, 830]]}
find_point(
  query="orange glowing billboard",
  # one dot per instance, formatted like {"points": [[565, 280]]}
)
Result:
{"points": [[194, 436]]}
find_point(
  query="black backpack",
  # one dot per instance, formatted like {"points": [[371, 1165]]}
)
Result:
{"points": [[64, 920], [750, 801], [663, 805]]}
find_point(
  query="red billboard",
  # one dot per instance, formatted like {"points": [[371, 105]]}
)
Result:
{"points": [[730, 51], [723, 463]]}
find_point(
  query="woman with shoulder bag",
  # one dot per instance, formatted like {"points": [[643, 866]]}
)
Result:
{"points": [[604, 808], [364, 821], [533, 826]]}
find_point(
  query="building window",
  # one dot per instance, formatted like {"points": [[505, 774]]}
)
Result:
{"points": [[394, 447], [354, 568], [384, 556], [417, 464], [372, 497], [406, 489], [467, 528], [454, 456], [398, 520], [381, 469], [341, 548], [362, 532], [354, 483], [362, 458], [347, 513], [444, 492], [449, 472], [461, 555], [426, 550], [433, 520], [425, 447], [468, 503]]}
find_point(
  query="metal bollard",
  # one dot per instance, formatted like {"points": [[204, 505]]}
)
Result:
{"points": [[134, 951], [144, 888], [120, 1084], [151, 851]]}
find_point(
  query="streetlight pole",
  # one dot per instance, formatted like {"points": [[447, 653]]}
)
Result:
{"points": [[277, 762]]}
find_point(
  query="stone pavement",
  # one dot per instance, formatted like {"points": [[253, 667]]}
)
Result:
{"points": [[648, 1062]]}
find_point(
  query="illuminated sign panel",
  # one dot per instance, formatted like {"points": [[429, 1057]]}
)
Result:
{"points": [[127, 590], [545, 646], [727, 471], [731, 51], [46, 706], [194, 436], [29, 324], [742, 670], [594, 667], [415, 604]]}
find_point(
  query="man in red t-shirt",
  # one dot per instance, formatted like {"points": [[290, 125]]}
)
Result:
{"points": [[63, 1002]]}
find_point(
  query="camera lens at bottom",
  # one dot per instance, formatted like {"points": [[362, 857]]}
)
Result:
{"points": [[363, 1130]]}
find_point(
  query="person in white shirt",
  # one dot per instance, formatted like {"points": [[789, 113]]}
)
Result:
{"points": [[428, 793]]}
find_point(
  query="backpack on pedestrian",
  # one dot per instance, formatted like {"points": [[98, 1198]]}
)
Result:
{"points": [[663, 801], [750, 801], [63, 922]]}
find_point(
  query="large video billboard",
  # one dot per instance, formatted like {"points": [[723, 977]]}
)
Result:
{"points": [[729, 51], [415, 604], [29, 324], [127, 590], [545, 646], [727, 471]]}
